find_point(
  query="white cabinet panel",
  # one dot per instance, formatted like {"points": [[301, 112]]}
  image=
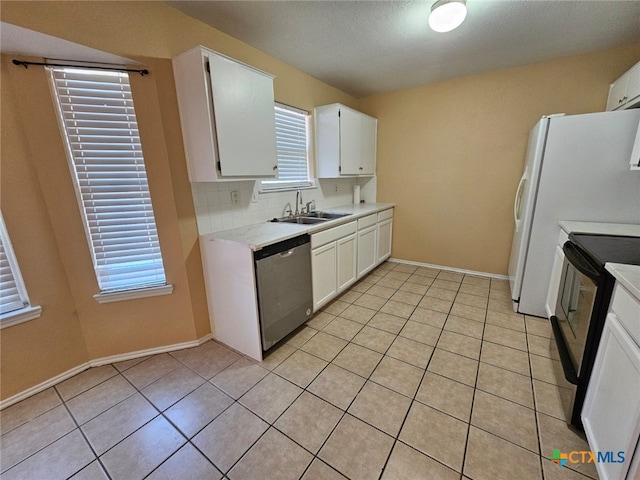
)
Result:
{"points": [[324, 273], [227, 117], [618, 92], [346, 261], [367, 250], [345, 142], [611, 413], [625, 91], [554, 282], [385, 229]]}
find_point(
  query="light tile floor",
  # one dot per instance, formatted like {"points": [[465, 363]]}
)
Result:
{"points": [[413, 373]]}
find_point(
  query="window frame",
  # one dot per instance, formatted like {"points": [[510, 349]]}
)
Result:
{"points": [[277, 185], [27, 311], [131, 290]]}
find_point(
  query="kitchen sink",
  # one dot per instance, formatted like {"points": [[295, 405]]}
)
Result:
{"points": [[327, 215], [304, 220], [311, 218]]}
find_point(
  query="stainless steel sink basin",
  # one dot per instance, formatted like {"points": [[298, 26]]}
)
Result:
{"points": [[327, 215], [304, 220], [311, 218]]}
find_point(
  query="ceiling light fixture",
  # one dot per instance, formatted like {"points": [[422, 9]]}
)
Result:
{"points": [[447, 15]]}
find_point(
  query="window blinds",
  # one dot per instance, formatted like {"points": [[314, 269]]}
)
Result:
{"points": [[98, 118], [292, 148], [12, 294]]}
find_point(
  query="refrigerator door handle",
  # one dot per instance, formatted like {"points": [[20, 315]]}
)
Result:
{"points": [[517, 204]]}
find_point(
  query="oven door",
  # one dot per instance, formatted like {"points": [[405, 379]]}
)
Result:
{"points": [[578, 286]]}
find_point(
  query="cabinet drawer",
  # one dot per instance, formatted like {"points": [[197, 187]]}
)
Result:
{"points": [[322, 238], [627, 309], [387, 214], [367, 221]]}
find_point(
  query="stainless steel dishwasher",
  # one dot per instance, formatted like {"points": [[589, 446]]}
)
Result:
{"points": [[283, 279]]}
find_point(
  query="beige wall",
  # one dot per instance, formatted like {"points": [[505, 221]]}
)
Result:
{"points": [[450, 154], [39, 204]]}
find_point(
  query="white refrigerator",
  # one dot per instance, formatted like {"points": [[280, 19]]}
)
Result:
{"points": [[577, 169]]}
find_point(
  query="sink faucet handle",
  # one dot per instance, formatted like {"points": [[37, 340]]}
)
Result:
{"points": [[311, 206]]}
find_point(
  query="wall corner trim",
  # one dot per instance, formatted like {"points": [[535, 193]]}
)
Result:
{"points": [[96, 363]]}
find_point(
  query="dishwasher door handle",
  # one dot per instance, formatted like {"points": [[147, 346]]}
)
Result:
{"points": [[287, 253]]}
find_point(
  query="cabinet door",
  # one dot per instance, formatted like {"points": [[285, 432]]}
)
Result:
{"points": [[618, 92], [323, 274], [611, 412], [367, 251], [350, 142], [554, 282], [346, 264], [384, 240], [633, 86], [243, 105], [368, 146]]}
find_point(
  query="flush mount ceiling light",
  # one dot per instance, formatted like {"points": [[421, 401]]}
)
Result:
{"points": [[447, 15]]}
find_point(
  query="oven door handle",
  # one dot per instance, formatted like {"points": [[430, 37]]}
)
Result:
{"points": [[563, 352], [576, 258]]}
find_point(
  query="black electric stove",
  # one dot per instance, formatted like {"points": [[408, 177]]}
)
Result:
{"points": [[583, 301], [601, 249]]}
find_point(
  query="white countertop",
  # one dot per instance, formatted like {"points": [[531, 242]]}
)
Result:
{"points": [[602, 228], [260, 235], [627, 275]]}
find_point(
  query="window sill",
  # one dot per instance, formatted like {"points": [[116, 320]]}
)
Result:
{"points": [[133, 294], [19, 316]]}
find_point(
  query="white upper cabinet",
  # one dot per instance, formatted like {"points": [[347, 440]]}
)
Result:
{"points": [[227, 117], [625, 91], [345, 142]]}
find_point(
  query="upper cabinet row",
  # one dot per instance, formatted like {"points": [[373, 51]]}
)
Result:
{"points": [[625, 91], [228, 124]]}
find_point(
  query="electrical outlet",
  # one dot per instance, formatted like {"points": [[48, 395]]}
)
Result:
{"points": [[235, 197], [336, 185]]}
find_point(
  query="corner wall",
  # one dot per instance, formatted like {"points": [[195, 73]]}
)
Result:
{"points": [[450, 154]]}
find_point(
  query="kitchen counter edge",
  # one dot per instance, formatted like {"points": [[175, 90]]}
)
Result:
{"points": [[629, 229], [627, 275], [260, 235]]}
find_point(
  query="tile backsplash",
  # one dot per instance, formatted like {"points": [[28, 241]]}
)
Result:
{"points": [[215, 210]]}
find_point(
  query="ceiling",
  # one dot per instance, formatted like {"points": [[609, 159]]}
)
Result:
{"points": [[370, 47]]}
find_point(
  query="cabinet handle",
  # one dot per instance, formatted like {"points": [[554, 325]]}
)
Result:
{"points": [[361, 168], [275, 168]]}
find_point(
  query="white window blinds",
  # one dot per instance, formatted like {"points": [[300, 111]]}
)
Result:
{"points": [[292, 149], [99, 122], [12, 292]]}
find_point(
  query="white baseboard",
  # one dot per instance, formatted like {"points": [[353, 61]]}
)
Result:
{"points": [[96, 363], [451, 269]]}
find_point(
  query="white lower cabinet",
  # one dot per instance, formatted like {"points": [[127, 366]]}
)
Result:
{"points": [[324, 270], [611, 412], [385, 229], [367, 244], [556, 275], [344, 254], [333, 262], [346, 261]]}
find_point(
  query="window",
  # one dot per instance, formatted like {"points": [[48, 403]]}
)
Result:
{"points": [[292, 145], [100, 129], [14, 302]]}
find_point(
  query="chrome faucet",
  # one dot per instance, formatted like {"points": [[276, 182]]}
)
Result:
{"points": [[298, 201]]}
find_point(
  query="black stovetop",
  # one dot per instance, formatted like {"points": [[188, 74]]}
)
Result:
{"points": [[608, 248]]}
